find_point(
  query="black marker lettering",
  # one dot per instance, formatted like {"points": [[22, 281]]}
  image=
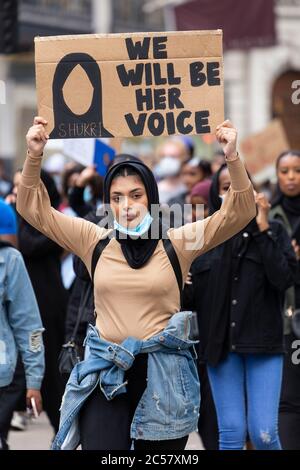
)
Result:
{"points": [[182, 128], [172, 80], [170, 123], [148, 74], [159, 47], [213, 73], [197, 77], [137, 50], [159, 98], [132, 76], [173, 97], [142, 99], [136, 128], [158, 79], [201, 122], [156, 124]]}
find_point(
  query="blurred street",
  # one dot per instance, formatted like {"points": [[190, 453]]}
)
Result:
{"points": [[38, 436]]}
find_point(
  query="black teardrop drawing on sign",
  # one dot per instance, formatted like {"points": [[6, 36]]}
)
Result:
{"points": [[63, 115]]}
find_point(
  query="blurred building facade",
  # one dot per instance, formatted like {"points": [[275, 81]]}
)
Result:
{"points": [[258, 81], [34, 17]]}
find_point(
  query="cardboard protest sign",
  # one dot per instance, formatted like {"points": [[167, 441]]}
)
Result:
{"points": [[262, 149], [124, 85]]}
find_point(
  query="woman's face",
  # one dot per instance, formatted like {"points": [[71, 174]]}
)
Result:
{"points": [[128, 200], [288, 174], [224, 181], [191, 175]]}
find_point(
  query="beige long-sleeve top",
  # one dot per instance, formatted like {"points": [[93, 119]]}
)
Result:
{"points": [[135, 302]]}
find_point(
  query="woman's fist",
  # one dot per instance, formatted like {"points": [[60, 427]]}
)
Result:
{"points": [[37, 137], [227, 136]]}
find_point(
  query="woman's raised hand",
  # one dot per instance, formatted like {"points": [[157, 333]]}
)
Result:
{"points": [[37, 137], [227, 136]]}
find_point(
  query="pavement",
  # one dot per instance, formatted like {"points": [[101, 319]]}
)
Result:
{"points": [[38, 436]]}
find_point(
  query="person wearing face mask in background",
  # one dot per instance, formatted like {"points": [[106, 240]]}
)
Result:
{"points": [[286, 208], [169, 157], [238, 290]]}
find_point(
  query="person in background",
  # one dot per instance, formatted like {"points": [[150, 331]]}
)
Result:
{"points": [[238, 290], [207, 423], [192, 171], [170, 155], [42, 258], [68, 180], [173, 147], [286, 209], [5, 183], [20, 328], [167, 174], [55, 165], [200, 195], [85, 191], [189, 143], [218, 160]]}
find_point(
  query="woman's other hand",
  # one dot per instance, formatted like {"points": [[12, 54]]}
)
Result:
{"points": [[37, 137]]}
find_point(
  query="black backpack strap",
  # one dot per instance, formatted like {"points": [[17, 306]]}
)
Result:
{"points": [[85, 295], [175, 263], [97, 253]]}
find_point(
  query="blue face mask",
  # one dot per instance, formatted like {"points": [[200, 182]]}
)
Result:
{"points": [[137, 231], [87, 194], [222, 197]]}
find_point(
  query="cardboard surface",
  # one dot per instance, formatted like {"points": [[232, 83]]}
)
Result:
{"points": [[123, 85], [262, 149]]}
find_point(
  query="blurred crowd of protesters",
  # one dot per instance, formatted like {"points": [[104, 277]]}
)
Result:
{"points": [[237, 319]]}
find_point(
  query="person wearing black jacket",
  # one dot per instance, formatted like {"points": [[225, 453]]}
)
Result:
{"points": [[238, 290], [286, 208]]}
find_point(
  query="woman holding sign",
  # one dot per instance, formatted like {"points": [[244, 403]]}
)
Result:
{"points": [[139, 381]]}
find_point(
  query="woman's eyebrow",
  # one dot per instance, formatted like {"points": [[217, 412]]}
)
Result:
{"points": [[136, 189], [117, 193]]}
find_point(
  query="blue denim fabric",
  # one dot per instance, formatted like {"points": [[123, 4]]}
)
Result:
{"points": [[246, 391], [169, 407], [20, 323]]}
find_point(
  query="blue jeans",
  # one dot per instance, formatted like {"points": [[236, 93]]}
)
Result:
{"points": [[246, 391]]}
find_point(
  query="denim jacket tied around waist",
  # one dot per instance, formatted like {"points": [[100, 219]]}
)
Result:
{"points": [[169, 407]]}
